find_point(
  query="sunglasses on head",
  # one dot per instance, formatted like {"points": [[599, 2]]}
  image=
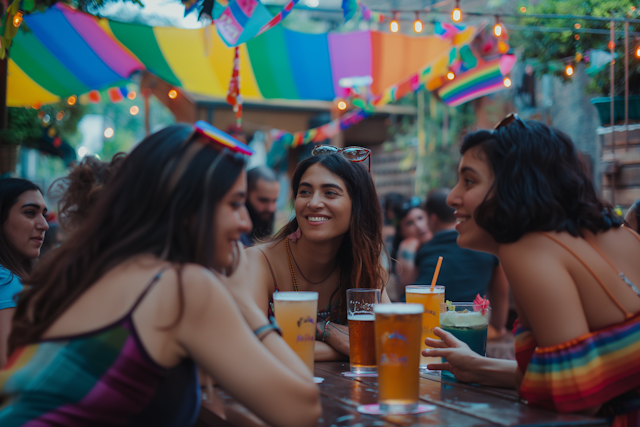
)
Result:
{"points": [[511, 118], [220, 138], [353, 154]]}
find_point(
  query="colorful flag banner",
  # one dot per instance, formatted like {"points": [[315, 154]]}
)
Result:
{"points": [[242, 20]]}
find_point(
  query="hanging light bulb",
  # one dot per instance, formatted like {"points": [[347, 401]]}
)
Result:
{"points": [[17, 19], [342, 105], [394, 26], [506, 82], [451, 75], [497, 29], [173, 94], [568, 70], [456, 13], [638, 52], [417, 24]]}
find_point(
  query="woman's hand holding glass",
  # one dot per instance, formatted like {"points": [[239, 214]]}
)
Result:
{"points": [[461, 361]]}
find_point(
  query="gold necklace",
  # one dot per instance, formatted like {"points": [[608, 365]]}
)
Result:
{"points": [[291, 270]]}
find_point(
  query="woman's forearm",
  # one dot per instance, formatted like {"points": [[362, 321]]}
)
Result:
{"points": [[496, 372], [336, 336], [323, 352]]}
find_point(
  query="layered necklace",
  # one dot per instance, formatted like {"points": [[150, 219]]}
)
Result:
{"points": [[293, 272]]}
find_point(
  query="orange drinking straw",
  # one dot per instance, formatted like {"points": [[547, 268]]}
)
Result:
{"points": [[435, 274]]}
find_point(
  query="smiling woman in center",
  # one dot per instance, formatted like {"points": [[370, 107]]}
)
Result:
{"points": [[333, 243]]}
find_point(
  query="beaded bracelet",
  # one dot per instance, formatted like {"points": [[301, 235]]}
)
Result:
{"points": [[263, 331], [324, 333]]}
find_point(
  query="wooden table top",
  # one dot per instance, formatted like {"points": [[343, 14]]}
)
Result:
{"points": [[457, 404]]}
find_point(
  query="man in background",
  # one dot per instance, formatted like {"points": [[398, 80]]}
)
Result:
{"points": [[464, 273], [262, 193]]}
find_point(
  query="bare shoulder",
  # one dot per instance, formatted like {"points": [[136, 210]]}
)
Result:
{"points": [[263, 255], [200, 286]]}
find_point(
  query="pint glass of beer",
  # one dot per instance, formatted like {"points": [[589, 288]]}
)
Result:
{"points": [[362, 345], [398, 330], [296, 314], [430, 300]]}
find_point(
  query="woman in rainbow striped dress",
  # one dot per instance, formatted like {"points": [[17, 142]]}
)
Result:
{"points": [[524, 195], [112, 324]]}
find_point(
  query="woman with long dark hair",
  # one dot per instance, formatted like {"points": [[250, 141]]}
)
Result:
{"points": [[333, 243], [22, 230], [112, 324], [524, 196]]}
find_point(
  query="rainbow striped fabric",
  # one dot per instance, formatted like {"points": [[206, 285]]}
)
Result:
{"points": [[102, 378], [588, 371]]}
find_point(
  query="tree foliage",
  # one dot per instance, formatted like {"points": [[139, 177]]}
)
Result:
{"points": [[550, 52]]}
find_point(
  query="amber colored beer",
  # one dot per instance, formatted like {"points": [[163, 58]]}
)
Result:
{"points": [[362, 343], [296, 314], [398, 331], [430, 300]]}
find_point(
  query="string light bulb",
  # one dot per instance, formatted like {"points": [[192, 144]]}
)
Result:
{"points": [[342, 105], [72, 100], [173, 94], [456, 13], [638, 52], [17, 19], [568, 70], [523, 9], [451, 75], [394, 26], [506, 82], [417, 24], [497, 29], [134, 110], [131, 95]]}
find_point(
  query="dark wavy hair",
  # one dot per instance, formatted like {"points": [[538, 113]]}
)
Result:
{"points": [[161, 202], [10, 190], [361, 249], [540, 184], [79, 190]]}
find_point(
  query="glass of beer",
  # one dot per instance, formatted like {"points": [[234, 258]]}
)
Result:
{"points": [[362, 344], [296, 314], [468, 323], [398, 330], [430, 300]]}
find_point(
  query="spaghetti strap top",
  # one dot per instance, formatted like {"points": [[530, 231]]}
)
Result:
{"points": [[100, 378], [322, 315], [600, 367], [595, 276]]}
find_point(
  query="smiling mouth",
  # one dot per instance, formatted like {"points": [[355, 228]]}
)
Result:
{"points": [[318, 219]]}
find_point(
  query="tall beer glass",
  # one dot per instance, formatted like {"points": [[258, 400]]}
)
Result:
{"points": [[398, 328], [430, 300], [296, 314], [362, 344]]}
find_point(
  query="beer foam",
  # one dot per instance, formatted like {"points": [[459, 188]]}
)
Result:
{"points": [[424, 290], [361, 317], [398, 308], [460, 319], [295, 296]]}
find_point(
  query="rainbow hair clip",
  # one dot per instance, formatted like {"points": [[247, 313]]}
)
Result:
{"points": [[216, 135]]}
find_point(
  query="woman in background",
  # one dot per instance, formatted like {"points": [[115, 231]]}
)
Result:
{"points": [[22, 229], [412, 231]]}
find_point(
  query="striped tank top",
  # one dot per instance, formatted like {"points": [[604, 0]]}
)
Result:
{"points": [[598, 368], [100, 378]]}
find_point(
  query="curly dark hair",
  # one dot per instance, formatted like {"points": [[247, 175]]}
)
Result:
{"points": [[79, 190], [540, 184]]}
